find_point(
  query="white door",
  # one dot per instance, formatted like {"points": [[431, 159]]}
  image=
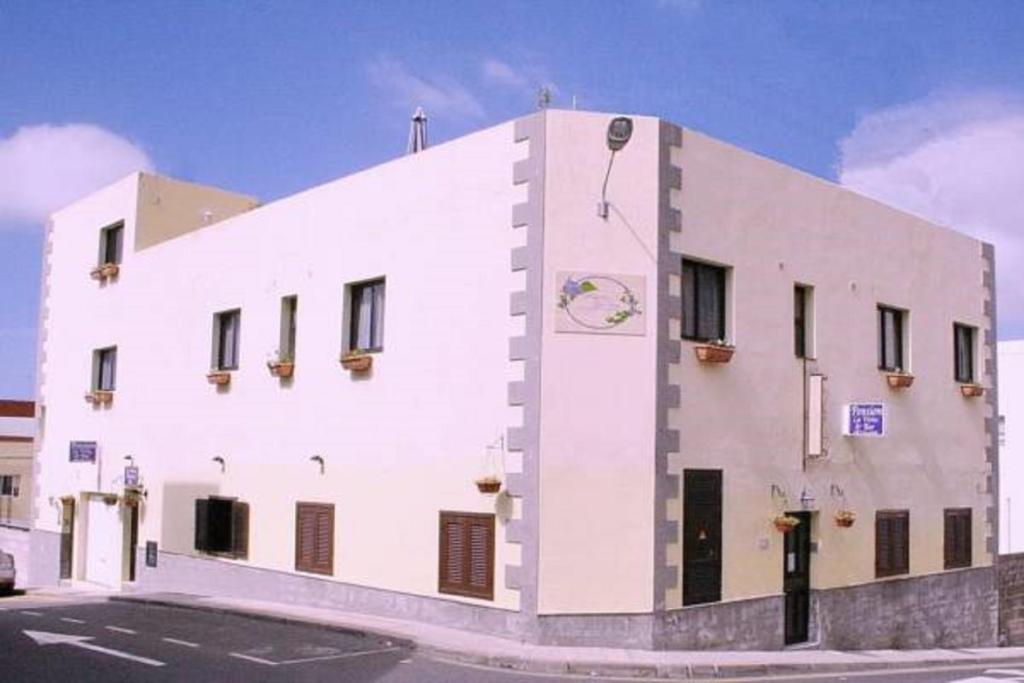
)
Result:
{"points": [[103, 544]]}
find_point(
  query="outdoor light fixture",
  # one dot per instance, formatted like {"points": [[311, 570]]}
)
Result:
{"points": [[320, 460], [130, 459], [220, 460], [620, 130]]}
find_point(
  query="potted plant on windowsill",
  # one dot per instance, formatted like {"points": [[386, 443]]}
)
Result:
{"points": [[717, 351], [785, 523], [972, 390], [488, 484], [99, 397], [281, 365], [219, 377], [105, 271], [357, 360], [845, 518], [110, 498], [899, 379]]}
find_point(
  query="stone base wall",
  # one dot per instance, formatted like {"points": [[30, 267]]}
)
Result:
{"points": [[206, 576], [1011, 599], [736, 625], [952, 609]]}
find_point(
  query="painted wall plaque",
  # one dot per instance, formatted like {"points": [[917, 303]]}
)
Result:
{"points": [[864, 419], [599, 303]]}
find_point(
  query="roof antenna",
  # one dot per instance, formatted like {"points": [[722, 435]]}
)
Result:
{"points": [[417, 132], [544, 97]]}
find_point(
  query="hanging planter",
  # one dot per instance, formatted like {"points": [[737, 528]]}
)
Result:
{"points": [[357, 361], [219, 377], [488, 484], [714, 352], [845, 518], [785, 523], [899, 380], [972, 390]]}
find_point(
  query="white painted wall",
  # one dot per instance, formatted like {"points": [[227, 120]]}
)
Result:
{"points": [[1011, 454], [399, 446]]}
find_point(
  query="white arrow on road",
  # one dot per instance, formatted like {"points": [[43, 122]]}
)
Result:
{"points": [[45, 638]]}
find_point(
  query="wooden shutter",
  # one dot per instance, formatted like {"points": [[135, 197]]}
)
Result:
{"points": [[892, 543], [314, 538], [702, 536], [240, 530], [957, 538], [202, 524], [466, 554]]}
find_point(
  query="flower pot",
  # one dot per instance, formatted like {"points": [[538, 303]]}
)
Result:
{"points": [[361, 362], [845, 519], [219, 377], [488, 485], [281, 369], [899, 380], [785, 524], [972, 390], [108, 270], [712, 353], [103, 397], [96, 273], [110, 499]]}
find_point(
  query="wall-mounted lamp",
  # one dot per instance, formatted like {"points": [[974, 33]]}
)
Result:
{"points": [[219, 460], [806, 500], [130, 459], [319, 459], [620, 130]]}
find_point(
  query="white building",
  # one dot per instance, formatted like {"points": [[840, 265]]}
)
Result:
{"points": [[661, 384], [1011, 437]]}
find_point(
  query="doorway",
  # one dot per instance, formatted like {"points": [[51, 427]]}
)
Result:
{"points": [[796, 578], [67, 536], [104, 542], [702, 536]]}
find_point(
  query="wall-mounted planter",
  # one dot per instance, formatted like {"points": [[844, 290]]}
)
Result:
{"points": [[488, 485], [714, 353], [972, 390], [99, 397], [899, 380], [281, 369], [784, 523], [357, 362], [105, 271], [845, 518], [110, 499], [219, 377]]}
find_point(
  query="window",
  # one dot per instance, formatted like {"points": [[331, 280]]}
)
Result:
{"points": [[956, 550], [890, 339], [104, 369], [802, 320], [289, 310], [892, 543], [467, 554], [702, 536], [10, 485], [111, 238], [225, 339], [963, 353], [314, 538], [703, 301], [366, 316], [222, 527]]}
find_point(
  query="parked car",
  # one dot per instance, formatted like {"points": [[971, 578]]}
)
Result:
{"points": [[7, 573]]}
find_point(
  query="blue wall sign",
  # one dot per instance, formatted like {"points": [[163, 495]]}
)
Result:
{"points": [[82, 451], [131, 476], [864, 419]]}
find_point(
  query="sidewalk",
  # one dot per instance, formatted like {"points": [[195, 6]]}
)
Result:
{"points": [[482, 650]]}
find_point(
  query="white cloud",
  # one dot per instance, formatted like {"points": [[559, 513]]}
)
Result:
{"points": [[440, 95], [957, 160], [500, 73], [45, 167]]}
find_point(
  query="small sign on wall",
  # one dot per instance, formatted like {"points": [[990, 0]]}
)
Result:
{"points": [[864, 419], [131, 476], [600, 303], [82, 451]]}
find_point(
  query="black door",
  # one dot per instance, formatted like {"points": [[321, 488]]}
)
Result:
{"points": [[702, 536], [67, 537], [796, 578], [133, 521]]}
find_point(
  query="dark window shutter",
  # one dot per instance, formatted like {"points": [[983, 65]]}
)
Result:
{"points": [[314, 538], [702, 536], [466, 554], [240, 530], [957, 538], [202, 524], [892, 543]]}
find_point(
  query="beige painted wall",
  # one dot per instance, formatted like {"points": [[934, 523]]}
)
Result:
{"points": [[775, 227], [168, 208], [399, 446], [597, 399]]}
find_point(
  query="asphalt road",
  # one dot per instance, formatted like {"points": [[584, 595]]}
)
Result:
{"points": [[93, 640]]}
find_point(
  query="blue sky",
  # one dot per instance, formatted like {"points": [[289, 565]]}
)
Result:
{"points": [[269, 98]]}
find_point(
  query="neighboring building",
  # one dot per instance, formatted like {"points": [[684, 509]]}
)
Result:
{"points": [[516, 332], [17, 436], [1011, 439]]}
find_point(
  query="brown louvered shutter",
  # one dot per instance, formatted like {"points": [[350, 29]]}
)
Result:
{"points": [[957, 538], [240, 530], [892, 543], [466, 554], [314, 538]]}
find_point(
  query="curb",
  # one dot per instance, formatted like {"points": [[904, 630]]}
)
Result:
{"points": [[583, 668]]}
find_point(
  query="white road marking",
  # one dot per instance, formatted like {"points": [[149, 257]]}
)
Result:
{"points": [[347, 655], [252, 659], [71, 620], [180, 642], [31, 613], [118, 629], [1006, 672], [45, 638]]}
